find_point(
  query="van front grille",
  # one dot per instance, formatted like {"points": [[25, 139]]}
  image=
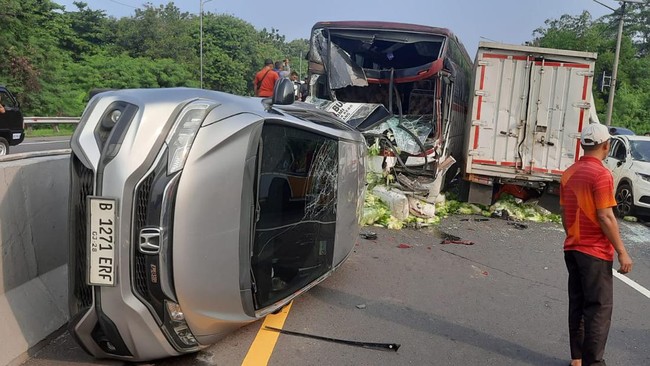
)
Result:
{"points": [[81, 179], [140, 220]]}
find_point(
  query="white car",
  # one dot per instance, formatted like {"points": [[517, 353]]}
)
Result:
{"points": [[629, 161]]}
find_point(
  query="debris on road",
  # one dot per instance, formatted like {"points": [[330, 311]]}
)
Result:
{"points": [[463, 242], [630, 218], [404, 246], [453, 239], [369, 235], [369, 345], [518, 225], [361, 306]]}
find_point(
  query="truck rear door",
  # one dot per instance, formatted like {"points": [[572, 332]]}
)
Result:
{"points": [[527, 112], [558, 108]]}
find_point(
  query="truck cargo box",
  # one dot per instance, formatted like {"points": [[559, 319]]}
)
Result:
{"points": [[529, 105]]}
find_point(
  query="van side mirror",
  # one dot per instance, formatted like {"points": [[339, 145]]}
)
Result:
{"points": [[283, 92]]}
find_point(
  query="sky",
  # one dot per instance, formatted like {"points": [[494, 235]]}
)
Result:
{"points": [[507, 21]]}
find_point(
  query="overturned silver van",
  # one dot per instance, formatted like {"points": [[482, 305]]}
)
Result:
{"points": [[195, 212]]}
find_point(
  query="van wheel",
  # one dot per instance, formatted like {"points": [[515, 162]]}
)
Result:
{"points": [[4, 146], [624, 200]]}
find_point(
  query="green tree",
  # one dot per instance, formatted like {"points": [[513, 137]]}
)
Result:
{"points": [[582, 33]]}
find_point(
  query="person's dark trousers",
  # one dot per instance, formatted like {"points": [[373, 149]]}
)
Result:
{"points": [[591, 301]]}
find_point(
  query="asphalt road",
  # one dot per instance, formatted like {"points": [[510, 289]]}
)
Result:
{"points": [[41, 144], [501, 301]]}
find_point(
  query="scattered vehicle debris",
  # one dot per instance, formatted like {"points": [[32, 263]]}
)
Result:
{"points": [[361, 306], [369, 345], [369, 235], [463, 242], [453, 239], [518, 225], [404, 246]]}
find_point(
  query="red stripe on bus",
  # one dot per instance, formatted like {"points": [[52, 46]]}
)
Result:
{"points": [[541, 170], [436, 66], [508, 163], [557, 171]]}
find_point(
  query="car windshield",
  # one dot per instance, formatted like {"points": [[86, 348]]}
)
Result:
{"points": [[640, 150]]}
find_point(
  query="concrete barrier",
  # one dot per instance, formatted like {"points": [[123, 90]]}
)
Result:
{"points": [[33, 252]]}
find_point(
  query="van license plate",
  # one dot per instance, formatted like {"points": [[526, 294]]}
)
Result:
{"points": [[101, 242]]}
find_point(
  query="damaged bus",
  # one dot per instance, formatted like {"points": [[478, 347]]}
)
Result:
{"points": [[405, 86]]}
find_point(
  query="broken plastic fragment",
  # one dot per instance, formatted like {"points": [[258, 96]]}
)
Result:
{"points": [[369, 235]]}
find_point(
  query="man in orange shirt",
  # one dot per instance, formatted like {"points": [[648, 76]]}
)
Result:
{"points": [[592, 236], [265, 79]]}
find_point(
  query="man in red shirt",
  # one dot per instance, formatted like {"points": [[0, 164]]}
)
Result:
{"points": [[265, 79], [592, 236]]}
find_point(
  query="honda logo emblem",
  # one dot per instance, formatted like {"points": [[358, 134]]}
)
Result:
{"points": [[150, 240]]}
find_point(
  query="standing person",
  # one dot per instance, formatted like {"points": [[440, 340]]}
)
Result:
{"points": [[282, 68], [265, 79], [592, 236], [296, 84], [304, 89]]}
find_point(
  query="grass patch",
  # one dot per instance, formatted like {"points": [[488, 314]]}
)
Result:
{"points": [[41, 131]]}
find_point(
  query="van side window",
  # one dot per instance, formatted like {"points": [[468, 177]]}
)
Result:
{"points": [[619, 151]]}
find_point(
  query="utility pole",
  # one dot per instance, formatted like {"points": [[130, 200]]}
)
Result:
{"points": [[201, 2], [612, 88]]}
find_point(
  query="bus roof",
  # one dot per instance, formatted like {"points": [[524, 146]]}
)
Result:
{"points": [[385, 26]]}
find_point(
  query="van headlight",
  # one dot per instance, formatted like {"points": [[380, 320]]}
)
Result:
{"points": [[182, 135], [645, 177], [175, 322]]}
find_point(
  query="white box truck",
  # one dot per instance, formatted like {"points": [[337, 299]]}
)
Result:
{"points": [[529, 105]]}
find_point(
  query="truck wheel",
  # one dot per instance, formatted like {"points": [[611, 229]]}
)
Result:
{"points": [[4, 146], [624, 200]]}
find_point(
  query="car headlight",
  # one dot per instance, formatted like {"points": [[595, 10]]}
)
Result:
{"points": [[645, 177], [182, 136]]}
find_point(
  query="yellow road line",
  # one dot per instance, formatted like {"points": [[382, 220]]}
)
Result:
{"points": [[260, 351]]}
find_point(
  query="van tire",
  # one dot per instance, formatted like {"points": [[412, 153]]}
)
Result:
{"points": [[4, 146]]}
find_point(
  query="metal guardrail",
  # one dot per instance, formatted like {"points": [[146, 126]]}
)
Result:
{"points": [[50, 120]]}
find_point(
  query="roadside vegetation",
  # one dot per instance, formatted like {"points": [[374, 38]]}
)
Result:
{"points": [[62, 130], [52, 57]]}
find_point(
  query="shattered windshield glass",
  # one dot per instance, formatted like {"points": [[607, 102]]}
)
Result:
{"points": [[342, 70], [356, 53], [640, 150], [296, 225]]}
